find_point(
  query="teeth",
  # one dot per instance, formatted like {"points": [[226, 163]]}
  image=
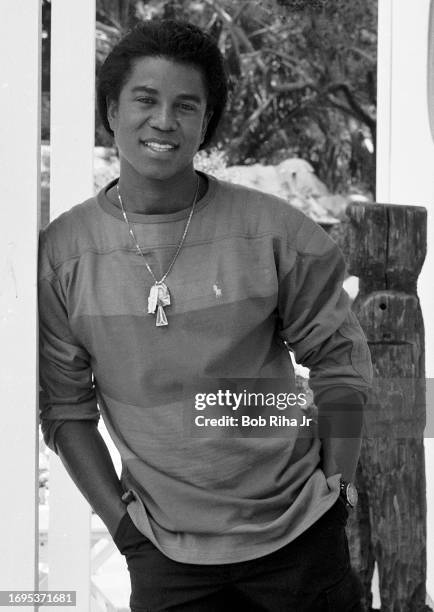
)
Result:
{"points": [[159, 147]]}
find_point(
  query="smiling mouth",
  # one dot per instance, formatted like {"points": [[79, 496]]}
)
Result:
{"points": [[159, 147]]}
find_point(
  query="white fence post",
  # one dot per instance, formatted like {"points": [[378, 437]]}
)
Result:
{"points": [[405, 163], [20, 38], [384, 102], [72, 144]]}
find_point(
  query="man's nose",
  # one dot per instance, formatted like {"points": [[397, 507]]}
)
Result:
{"points": [[163, 118]]}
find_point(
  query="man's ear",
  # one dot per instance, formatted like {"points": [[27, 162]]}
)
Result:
{"points": [[112, 113]]}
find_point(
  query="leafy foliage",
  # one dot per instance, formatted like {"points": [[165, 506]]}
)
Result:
{"points": [[302, 78]]}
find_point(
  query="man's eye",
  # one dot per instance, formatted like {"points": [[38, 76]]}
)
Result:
{"points": [[145, 100], [186, 107]]}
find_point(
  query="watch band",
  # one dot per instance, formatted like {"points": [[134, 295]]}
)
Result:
{"points": [[128, 497]]}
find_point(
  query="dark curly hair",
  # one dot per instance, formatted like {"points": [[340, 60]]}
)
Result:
{"points": [[176, 40]]}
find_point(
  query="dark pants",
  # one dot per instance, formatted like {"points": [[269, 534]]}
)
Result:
{"points": [[310, 574]]}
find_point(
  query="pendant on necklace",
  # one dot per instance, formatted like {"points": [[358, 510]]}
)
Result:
{"points": [[161, 317], [159, 297]]}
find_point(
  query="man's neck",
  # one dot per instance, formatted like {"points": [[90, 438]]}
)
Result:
{"points": [[154, 196]]}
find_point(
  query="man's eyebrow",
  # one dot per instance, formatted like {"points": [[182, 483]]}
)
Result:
{"points": [[150, 90], [145, 88]]}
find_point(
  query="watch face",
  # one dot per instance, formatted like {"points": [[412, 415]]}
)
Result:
{"points": [[352, 495]]}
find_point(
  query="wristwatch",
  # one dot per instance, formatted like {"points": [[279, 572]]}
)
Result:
{"points": [[128, 497], [348, 493]]}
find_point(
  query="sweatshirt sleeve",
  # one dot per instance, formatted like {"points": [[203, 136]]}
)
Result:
{"points": [[67, 389], [316, 320]]}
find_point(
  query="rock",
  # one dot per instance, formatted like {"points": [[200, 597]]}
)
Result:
{"points": [[105, 166], [295, 181]]}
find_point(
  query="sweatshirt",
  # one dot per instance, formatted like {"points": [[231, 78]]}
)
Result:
{"points": [[254, 280]]}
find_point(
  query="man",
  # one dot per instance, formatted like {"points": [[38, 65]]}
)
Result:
{"points": [[168, 283]]}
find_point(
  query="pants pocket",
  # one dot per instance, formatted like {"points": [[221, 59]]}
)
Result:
{"points": [[128, 538], [342, 510], [346, 595]]}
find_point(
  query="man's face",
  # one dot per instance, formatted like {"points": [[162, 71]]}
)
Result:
{"points": [[160, 118]]}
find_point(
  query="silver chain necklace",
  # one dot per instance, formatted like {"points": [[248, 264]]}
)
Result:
{"points": [[159, 295]]}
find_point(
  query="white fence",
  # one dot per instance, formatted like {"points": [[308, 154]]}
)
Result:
{"points": [[404, 171]]}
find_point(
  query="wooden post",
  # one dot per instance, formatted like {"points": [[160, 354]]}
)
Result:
{"points": [[20, 38], [385, 246], [72, 141]]}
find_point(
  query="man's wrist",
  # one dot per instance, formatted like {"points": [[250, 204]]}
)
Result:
{"points": [[348, 493], [114, 515]]}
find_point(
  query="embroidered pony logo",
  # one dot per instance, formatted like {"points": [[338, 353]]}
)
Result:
{"points": [[217, 291]]}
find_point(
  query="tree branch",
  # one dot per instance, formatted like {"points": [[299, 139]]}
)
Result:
{"points": [[367, 56], [290, 61], [334, 102], [292, 87], [357, 109], [236, 142], [237, 33]]}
